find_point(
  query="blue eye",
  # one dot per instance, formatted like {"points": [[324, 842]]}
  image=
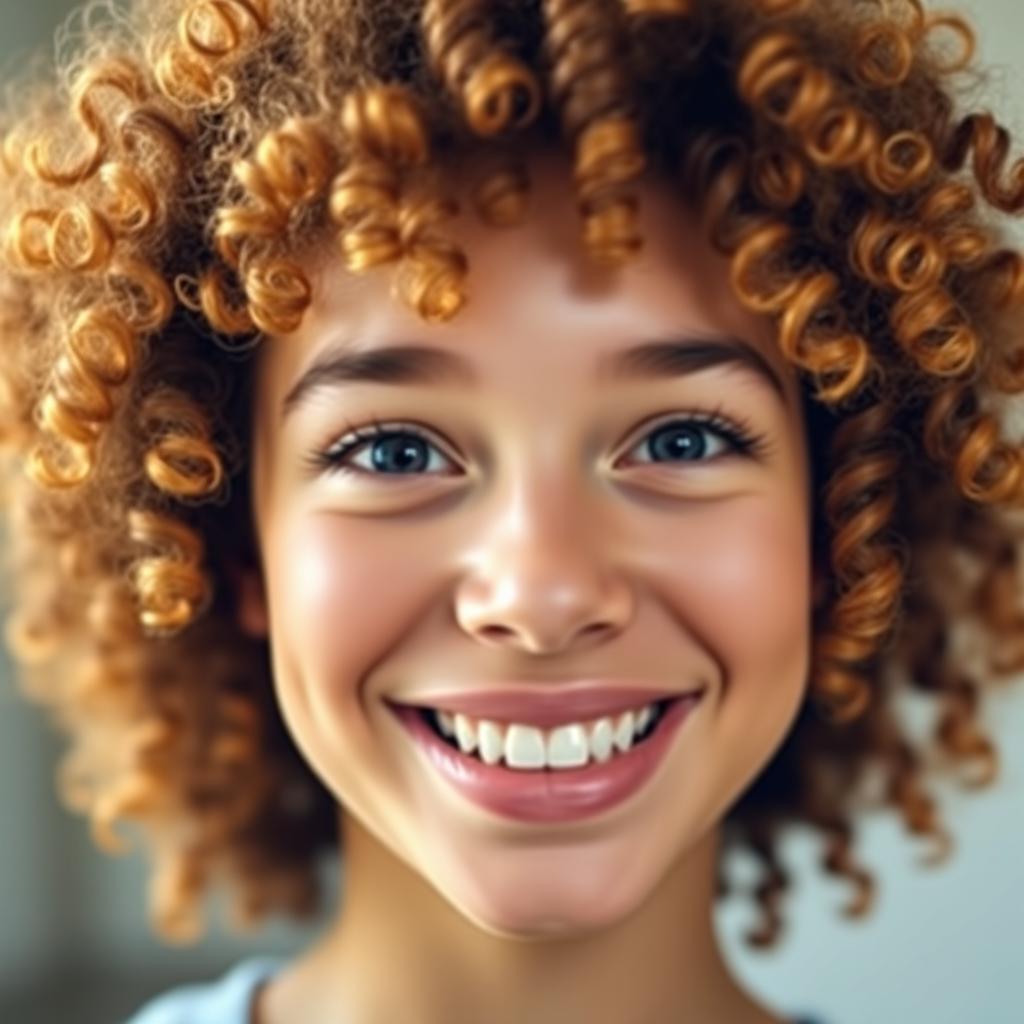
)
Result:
{"points": [[684, 439], [401, 450], [405, 450]]}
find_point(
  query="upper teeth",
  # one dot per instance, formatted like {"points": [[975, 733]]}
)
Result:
{"points": [[525, 746]]}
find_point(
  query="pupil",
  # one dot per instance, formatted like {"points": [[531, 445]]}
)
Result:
{"points": [[405, 449], [682, 441]]}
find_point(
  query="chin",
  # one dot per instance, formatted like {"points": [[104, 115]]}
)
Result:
{"points": [[536, 915]]}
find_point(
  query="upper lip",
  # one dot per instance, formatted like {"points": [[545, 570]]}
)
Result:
{"points": [[547, 704]]}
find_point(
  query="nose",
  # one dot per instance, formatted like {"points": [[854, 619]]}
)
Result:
{"points": [[543, 581]]}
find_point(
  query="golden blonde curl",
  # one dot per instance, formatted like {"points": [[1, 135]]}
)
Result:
{"points": [[290, 170], [119, 75], [989, 143], [762, 282], [216, 28], [99, 355], [190, 70], [498, 93], [590, 85], [222, 312], [278, 293], [433, 269], [166, 461], [75, 238], [777, 78], [379, 221], [171, 586], [893, 255], [130, 202], [364, 206]]}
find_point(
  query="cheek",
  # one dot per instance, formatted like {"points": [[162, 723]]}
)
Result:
{"points": [[339, 591], [341, 600], [747, 589]]}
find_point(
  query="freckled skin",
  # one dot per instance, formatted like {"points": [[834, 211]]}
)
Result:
{"points": [[541, 516]]}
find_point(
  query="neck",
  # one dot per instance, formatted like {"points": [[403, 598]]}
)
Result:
{"points": [[398, 944]]}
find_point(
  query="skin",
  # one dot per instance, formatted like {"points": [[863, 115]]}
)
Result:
{"points": [[543, 541]]}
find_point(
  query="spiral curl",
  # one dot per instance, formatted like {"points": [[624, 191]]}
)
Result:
{"points": [[986, 468], [497, 91], [859, 504], [590, 85], [130, 203], [988, 142], [182, 461], [433, 269], [289, 172], [380, 221], [189, 69], [278, 293], [171, 586], [800, 299], [364, 206], [121, 76], [778, 79]]}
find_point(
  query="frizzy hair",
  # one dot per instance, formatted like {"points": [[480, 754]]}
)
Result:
{"points": [[156, 204]]}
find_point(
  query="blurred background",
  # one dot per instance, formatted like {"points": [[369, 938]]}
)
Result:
{"points": [[943, 946]]}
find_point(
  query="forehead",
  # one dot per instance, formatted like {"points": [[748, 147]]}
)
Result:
{"points": [[533, 293]]}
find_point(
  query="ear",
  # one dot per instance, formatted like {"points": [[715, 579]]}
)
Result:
{"points": [[250, 600]]}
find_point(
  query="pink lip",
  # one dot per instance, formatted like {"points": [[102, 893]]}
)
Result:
{"points": [[549, 795], [547, 705]]}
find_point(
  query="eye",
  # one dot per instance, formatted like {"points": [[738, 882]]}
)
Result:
{"points": [[405, 450], [683, 439], [399, 450]]}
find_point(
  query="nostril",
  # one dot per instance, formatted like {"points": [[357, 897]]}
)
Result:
{"points": [[496, 632]]}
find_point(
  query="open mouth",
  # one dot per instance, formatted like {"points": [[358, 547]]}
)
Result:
{"points": [[552, 778]]}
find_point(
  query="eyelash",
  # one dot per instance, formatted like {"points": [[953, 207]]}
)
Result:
{"points": [[327, 459]]}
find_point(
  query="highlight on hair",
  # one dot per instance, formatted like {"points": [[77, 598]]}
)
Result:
{"points": [[156, 203]]}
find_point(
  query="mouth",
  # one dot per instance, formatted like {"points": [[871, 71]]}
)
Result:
{"points": [[584, 779]]}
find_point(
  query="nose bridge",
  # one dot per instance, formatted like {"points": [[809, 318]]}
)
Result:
{"points": [[546, 522], [543, 572]]}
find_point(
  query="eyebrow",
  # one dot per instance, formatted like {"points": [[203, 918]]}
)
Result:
{"points": [[420, 364]]}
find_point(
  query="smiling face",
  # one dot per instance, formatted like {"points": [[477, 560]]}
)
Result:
{"points": [[542, 511]]}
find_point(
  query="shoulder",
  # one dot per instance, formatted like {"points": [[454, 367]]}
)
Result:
{"points": [[225, 1000]]}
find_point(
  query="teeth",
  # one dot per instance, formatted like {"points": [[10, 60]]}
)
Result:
{"points": [[492, 743], [624, 732], [465, 734], [645, 716], [566, 747], [525, 746]]}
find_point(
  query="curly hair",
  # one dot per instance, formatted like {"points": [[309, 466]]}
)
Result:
{"points": [[157, 197]]}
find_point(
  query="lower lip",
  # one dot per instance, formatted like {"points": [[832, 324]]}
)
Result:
{"points": [[549, 795]]}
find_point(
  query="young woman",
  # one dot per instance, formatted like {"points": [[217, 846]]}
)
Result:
{"points": [[521, 450]]}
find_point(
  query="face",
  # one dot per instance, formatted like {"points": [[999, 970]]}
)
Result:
{"points": [[539, 517]]}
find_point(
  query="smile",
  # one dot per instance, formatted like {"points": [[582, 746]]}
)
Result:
{"points": [[544, 793]]}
